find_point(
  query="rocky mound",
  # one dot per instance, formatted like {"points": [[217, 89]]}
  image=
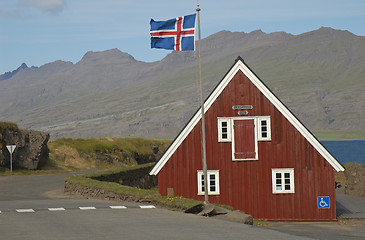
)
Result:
{"points": [[355, 179], [31, 150]]}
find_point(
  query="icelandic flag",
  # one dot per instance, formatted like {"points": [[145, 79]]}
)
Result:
{"points": [[175, 34]]}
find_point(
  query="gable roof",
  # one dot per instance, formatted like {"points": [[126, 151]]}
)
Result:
{"points": [[239, 65]]}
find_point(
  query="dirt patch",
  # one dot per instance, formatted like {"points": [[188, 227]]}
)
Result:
{"points": [[56, 193], [352, 222], [355, 179], [71, 158]]}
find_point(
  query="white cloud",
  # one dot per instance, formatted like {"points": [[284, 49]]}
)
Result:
{"points": [[52, 6]]}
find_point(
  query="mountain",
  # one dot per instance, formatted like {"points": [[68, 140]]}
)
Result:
{"points": [[319, 75], [8, 75]]}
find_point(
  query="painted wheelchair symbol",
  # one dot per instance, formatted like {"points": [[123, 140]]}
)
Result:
{"points": [[324, 202]]}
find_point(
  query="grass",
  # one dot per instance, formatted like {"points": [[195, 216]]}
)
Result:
{"points": [[261, 223], [74, 155], [8, 125], [88, 146], [340, 135], [150, 194], [103, 153], [173, 203], [69, 155]]}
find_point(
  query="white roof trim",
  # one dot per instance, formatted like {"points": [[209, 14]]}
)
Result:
{"points": [[240, 65]]}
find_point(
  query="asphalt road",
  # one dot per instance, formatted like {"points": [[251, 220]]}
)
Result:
{"points": [[345, 229], [34, 207]]}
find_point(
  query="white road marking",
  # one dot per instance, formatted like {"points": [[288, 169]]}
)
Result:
{"points": [[87, 208], [56, 209], [25, 210], [147, 206], [118, 207], [29, 210]]}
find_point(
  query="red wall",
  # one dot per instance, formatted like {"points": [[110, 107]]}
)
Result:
{"points": [[247, 185]]}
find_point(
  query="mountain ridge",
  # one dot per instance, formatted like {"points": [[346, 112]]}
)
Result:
{"points": [[10, 74], [319, 75]]}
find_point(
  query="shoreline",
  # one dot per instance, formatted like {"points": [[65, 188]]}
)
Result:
{"points": [[342, 140]]}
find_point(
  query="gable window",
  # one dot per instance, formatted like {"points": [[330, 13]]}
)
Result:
{"points": [[212, 184], [283, 180], [224, 130], [264, 129]]}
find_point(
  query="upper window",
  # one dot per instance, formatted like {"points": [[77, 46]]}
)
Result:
{"points": [[212, 184], [264, 129], [283, 180], [224, 130]]}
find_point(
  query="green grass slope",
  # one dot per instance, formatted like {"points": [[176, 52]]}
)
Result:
{"points": [[103, 153]]}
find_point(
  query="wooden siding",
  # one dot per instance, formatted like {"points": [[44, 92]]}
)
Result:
{"points": [[247, 185]]}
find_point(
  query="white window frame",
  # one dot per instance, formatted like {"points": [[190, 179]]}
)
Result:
{"points": [[283, 171], [220, 130], [200, 185], [268, 129]]}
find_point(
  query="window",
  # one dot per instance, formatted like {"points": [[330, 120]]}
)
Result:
{"points": [[264, 129], [283, 180], [212, 184], [224, 130]]}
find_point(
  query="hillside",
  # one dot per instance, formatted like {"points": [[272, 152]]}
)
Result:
{"points": [[103, 153], [319, 75]]}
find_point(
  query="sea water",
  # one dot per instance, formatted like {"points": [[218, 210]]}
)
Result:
{"points": [[347, 151]]}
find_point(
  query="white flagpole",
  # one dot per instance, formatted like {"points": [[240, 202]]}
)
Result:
{"points": [[204, 157]]}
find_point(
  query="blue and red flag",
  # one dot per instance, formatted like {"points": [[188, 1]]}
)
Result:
{"points": [[175, 34]]}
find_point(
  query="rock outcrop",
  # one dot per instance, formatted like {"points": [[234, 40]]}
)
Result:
{"points": [[31, 150]]}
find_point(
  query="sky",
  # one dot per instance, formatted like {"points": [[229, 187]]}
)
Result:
{"points": [[37, 32]]}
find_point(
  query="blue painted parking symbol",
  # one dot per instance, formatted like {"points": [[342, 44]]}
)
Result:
{"points": [[323, 202]]}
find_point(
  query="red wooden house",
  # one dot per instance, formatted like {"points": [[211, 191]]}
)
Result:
{"points": [[261, 159]]}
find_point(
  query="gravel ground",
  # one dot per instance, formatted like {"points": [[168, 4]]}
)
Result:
{"points": [[344, 229]]}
